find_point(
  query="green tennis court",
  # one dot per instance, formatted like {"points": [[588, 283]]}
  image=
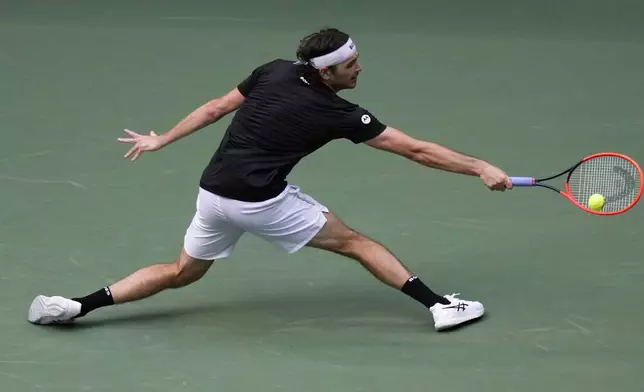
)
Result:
{"points": [[530, 85]]}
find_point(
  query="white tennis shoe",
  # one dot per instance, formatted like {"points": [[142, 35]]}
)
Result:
{"points": [[457, 312], [53, 310]]}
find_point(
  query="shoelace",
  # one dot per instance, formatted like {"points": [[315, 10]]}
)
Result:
{"points": [[453, 297], [457, 303]]}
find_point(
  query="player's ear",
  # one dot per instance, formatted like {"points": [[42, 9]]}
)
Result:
{"points": [[325, 73]]}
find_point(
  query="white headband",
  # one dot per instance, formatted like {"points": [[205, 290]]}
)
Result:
{"points": [[338, 56]]}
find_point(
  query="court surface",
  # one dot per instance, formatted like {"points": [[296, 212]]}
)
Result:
{"points": [[531, 86]]}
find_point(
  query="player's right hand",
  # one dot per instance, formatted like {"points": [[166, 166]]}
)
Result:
{"points": [[141, 143], [495, 178]]}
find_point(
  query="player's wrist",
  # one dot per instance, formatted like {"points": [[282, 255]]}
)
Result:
{"points": [[165, 138], [479, 167]]}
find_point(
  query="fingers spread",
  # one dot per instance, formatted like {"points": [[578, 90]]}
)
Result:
{"points": [[133, 134], [136, 155], [131, 151]]}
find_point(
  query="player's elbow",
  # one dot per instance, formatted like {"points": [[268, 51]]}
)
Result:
{"points": [[416, 153], [425, 153], [410, 148], [219, 107], [215, 109]]}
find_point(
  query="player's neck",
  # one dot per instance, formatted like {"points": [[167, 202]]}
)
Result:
{"points": [[331, 87]]}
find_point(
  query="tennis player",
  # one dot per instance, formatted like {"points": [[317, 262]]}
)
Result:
{"points": [[285, 110]]}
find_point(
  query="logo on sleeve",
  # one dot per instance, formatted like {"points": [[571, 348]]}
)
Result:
{"points": [[366, 119]]}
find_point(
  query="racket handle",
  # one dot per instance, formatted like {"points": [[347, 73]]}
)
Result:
{"points": [[522, 181]]}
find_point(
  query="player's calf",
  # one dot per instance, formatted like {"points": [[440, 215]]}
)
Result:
{"points": [[141, 284]]}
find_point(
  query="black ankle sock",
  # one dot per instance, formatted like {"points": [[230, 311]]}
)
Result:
{"points": [[100, 298], [421, 293]]}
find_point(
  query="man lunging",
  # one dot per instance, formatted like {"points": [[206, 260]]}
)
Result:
{"points": [[285, 110]]}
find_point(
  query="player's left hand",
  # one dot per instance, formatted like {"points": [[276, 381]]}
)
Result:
{"points": [[151, 142]]}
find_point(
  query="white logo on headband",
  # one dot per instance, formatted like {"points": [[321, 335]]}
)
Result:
{"points": [[366, 119], [338, 56]]}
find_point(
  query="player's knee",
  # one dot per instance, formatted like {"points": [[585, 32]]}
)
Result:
{"points": [[351, 243], [185, 274], [339, 238]]}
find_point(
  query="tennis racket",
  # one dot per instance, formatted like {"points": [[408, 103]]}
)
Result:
{"points": [[615, 176]]}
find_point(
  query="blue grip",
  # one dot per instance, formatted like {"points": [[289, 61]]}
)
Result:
{"points": [[522, 181]]}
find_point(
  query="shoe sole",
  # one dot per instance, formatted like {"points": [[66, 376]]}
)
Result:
{"points": [[41, 309], [453, 323], [37, 310]]}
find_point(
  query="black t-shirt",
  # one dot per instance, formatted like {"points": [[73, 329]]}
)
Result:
{"points": [[284, 118]]}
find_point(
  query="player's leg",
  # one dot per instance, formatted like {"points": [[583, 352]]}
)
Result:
{"points": [[153, 279], [147, 282], [336, 237], [141, 284], [448, 311], [293, 220], [209, 237]]}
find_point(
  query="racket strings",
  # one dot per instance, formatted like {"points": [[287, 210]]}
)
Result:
{"points": [[615, 178]]}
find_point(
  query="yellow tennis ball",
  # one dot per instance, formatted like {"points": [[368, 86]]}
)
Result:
{"points": [[596, 202]]}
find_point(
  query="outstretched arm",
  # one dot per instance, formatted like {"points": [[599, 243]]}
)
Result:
{"points": [[201, 117], [439, 157]]}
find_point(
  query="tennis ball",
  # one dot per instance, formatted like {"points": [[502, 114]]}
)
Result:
{"points": [[596, 202]]}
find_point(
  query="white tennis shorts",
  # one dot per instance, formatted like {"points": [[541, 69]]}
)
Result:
{"points": [[289, 221]]}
